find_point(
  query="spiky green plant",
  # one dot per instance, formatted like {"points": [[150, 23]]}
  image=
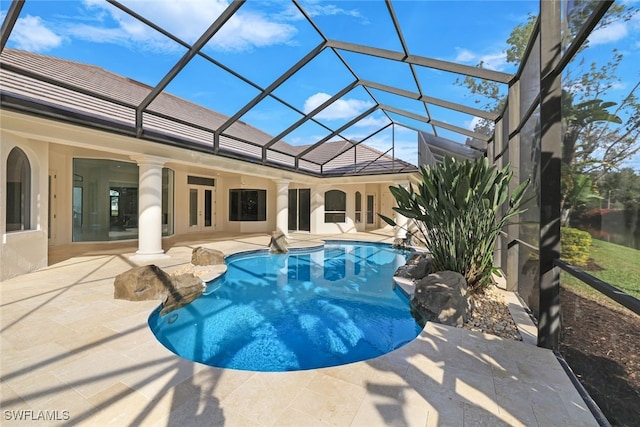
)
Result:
{"points": [[457, 212]]}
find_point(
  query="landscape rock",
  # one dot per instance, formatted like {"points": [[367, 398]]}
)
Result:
{"points": [[403, 243], [206, 256], [442, 297], [278, 243], [185, 288], [205, 272], [491, 315], [147, 282], [416, 267], [150, 282]]}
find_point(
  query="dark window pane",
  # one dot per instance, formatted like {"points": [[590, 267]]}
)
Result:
{"points": [[293, 209], [199, 180], [208, 217], [18, 191], [334, 217], [247, 205], [193, 207], [335, 205], [335, 200], [304, 219]]}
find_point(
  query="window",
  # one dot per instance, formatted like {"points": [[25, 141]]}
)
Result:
{"points": [[247, 205], [168, 179], [358, 207], [105, 200], [18, 191], [201, 180], [371, 207], [335, 206]]}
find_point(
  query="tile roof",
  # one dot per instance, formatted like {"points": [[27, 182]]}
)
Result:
{"points": [[94, 95]]}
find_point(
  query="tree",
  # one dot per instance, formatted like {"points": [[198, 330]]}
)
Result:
{"points": [[599, 134], [621, 189]]}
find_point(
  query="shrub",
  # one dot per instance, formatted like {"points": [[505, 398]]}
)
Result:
{"points": [[575, 246], [458, 212]]}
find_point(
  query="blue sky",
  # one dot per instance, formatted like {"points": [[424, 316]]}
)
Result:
{"points": [[266, 38]]}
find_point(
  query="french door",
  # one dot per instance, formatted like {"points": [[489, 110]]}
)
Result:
{"points": [[300, 209], [201, 208]]}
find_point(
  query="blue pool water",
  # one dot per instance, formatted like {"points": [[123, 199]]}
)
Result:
{"points": [[301, 310]]}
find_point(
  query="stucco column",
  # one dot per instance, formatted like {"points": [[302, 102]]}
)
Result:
{"points": [[401, 220], [282, 206], [149, 208]]}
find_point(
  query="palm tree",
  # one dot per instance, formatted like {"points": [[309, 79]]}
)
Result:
{"points": [[576, 186]]}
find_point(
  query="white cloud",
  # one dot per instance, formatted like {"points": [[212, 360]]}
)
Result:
{"points": [[322, 8], [471, 124], [246, 31], [340, 109], [371, 121], [493, 60], [609, 34], [406, 150], [30, 33], [464, 55], [186, 19]]}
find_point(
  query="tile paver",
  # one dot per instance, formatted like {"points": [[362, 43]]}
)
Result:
{"points": [[67, 345]]}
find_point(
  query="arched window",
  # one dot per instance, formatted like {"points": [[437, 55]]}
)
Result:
{"points": [[18, 191], [335, 206]]}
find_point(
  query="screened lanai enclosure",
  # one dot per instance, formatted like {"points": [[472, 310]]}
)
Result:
{"points": [[380, 88]]}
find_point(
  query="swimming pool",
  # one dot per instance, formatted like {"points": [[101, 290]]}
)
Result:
{"points": [[302, 310]]}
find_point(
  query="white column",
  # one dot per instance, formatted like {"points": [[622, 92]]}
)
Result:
{"points": [[282, 206], [149, 208], [401, 220]]}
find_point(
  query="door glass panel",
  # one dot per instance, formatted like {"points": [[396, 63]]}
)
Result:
{"points": [[77, 209], [105, 200], [49, 213], [370, 209], [193, 207], [305, 209], [168, 191], [208, 211], [293, 209]]}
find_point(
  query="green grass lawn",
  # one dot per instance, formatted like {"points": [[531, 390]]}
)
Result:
{"points": [[620, 268]]}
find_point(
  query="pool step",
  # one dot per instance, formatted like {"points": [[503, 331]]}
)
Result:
{"points": [[406, 285]]}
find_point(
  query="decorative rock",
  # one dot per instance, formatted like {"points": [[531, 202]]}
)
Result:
{"points": [[205, 272], [403, 243], [150, 282], [278, 243], [206, 256], [442, 297], [491, 315], [185, 288], [416, 267], [147, 282]]}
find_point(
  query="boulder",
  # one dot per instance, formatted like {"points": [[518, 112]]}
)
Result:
{"points": [[416, 267], [403, 242], [185, 288], [147, 282], [206, 256], [442, 297], [278, 243], [206, 273]]}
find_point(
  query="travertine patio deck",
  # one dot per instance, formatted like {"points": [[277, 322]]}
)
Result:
{"points": [[72, 352]]}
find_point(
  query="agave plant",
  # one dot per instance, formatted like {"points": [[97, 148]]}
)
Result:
{"points": [[458, 212]]}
